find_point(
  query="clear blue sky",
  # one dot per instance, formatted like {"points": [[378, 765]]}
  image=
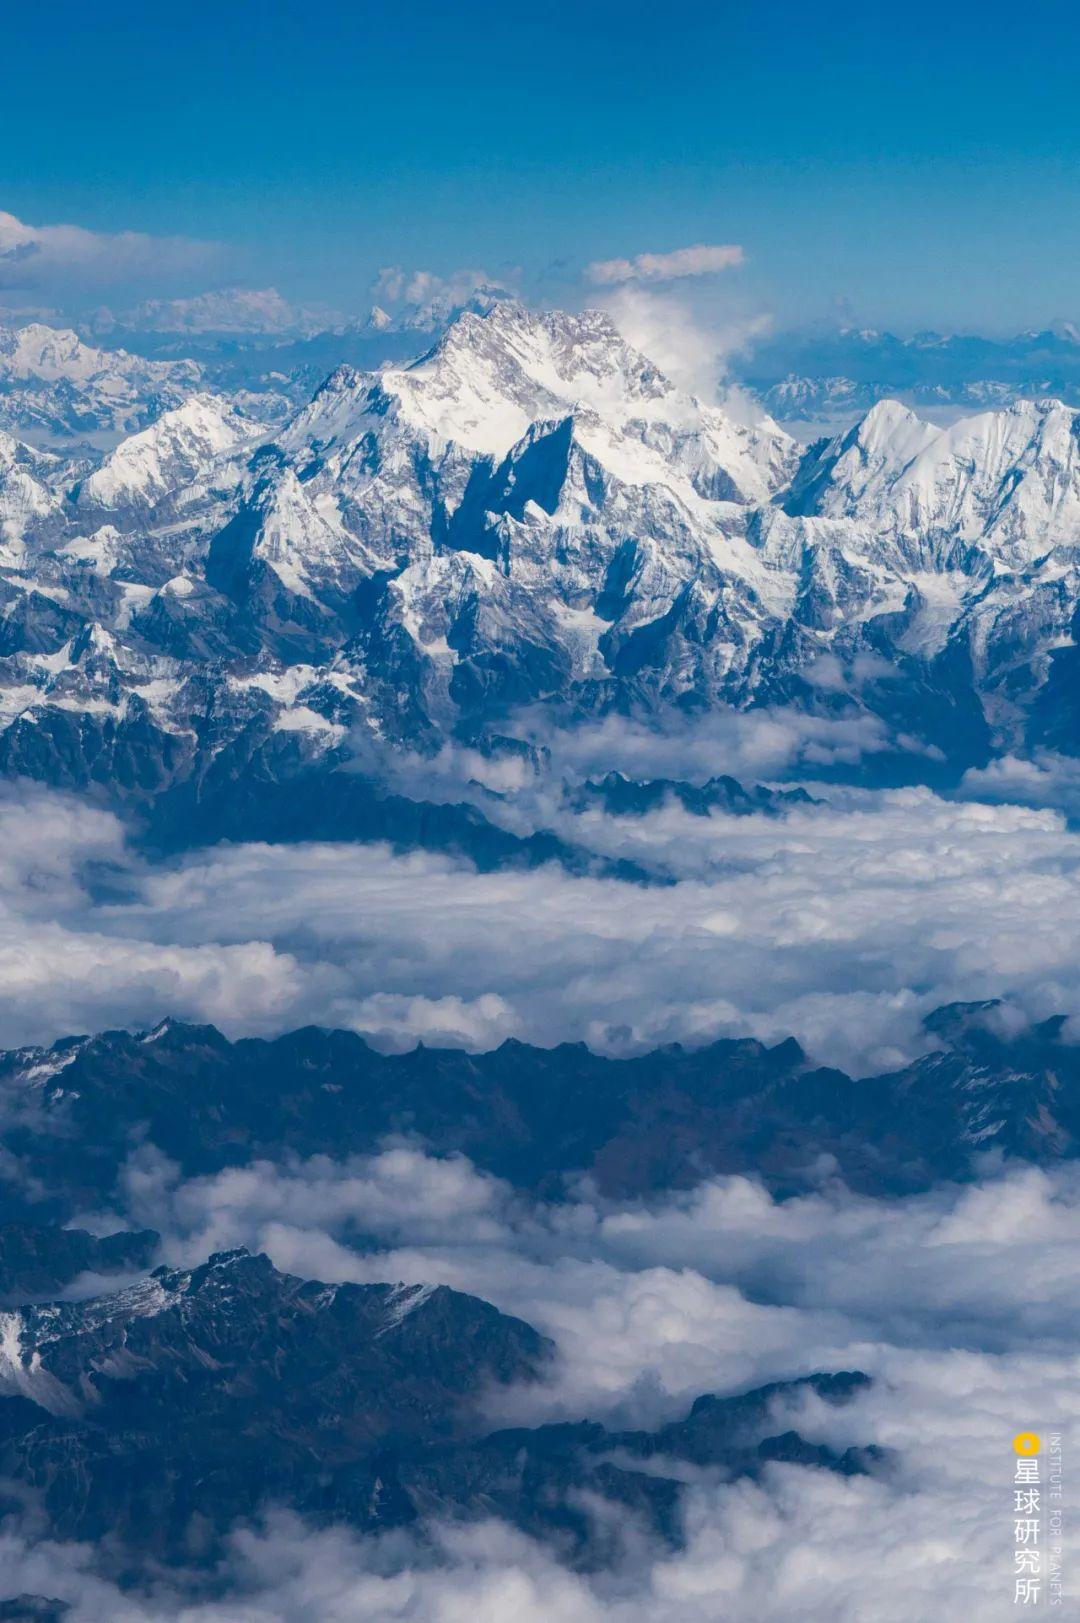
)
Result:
{"points": [[921, 162]]}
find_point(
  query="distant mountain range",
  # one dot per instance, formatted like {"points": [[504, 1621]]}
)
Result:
{"points": [[818, 376]]}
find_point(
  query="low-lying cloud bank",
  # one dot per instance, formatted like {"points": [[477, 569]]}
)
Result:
{"points": [[50, 256], [842, 924], [801, 1545], [652, 1303], [962, 1303]]}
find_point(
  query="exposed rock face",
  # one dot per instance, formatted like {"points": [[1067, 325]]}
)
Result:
{"points": [[38, 1260], [534, 1116], [216, 1392]]}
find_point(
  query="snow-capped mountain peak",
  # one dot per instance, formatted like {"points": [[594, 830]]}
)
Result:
{"points": [[52, 382], [494, 373], [49, 354], [1009, 478], [25, 499], [530, 512], [494, 376], [173, 451]]}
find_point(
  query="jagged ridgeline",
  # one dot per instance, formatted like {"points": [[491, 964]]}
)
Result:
{"points": [[245, 615], [196, 1396], [133, 1411], [531, 513], [537, 1117]]}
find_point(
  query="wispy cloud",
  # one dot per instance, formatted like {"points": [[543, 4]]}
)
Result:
{"points": [[396, 285], [692, 348], [703, 259], [34, 256]]}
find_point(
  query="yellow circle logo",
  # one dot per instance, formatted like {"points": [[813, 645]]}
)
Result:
{"points": [[1026, 1442]]}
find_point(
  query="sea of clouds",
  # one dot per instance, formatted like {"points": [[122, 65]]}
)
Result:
{"points": [[963, 1304], [842, 923]]}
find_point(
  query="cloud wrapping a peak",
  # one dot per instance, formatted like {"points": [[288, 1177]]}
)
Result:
{"points": [[960, 1303]]}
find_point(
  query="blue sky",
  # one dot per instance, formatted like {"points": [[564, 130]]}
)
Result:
{"points": [[915, 165]]}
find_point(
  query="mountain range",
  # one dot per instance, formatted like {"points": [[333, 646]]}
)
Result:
{"points": [[529, 519], [541, 1119], [198, 1397], [817, 375], [54, 384], [153, 1408]]}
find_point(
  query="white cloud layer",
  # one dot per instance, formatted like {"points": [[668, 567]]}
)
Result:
{"points": [[651, 1303], [842, 924], [703, 259], [34, 256], [396, 285], [962, 1303]]}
